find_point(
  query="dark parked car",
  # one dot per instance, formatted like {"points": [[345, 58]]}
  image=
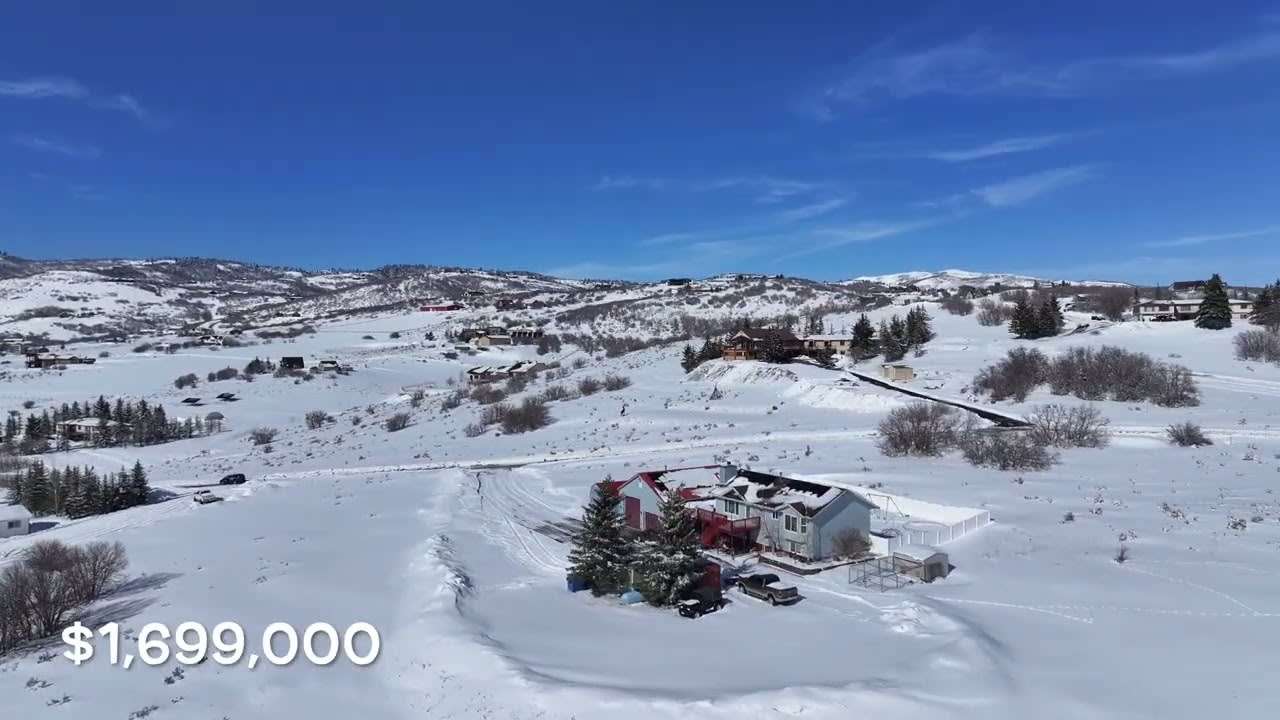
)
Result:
{"points": [[234, 479], [768, 587], [699, 603]]}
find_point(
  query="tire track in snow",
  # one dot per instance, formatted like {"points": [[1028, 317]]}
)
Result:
{"points": [[1044, 609], [1197, 586]]}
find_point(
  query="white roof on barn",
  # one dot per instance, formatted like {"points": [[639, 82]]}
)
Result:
{"points": [[14, 512], [832, 338], [87, 423]]}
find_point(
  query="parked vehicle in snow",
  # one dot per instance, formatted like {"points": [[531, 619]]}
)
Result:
{"points": [[204, 497], [700, 602], [233, 479], [768, 587]]}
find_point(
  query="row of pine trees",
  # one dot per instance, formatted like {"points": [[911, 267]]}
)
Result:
{"points": [[139, 423], [1031, 321], [78, 492], [664, 566], [1266, 307], [1215, 308]]}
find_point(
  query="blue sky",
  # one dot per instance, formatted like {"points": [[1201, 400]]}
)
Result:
{"points": [[822, 139]]}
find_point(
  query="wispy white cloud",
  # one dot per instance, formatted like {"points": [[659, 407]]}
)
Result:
{"points": [[629, 182], [999, 147], [830, 238], [129, 105], [42, 88], [42, 144], [1021, 189], [1192, 240], [669, 238], [1219, 57], [699, 258], [813, 210], [769, 188], [974, 66]]}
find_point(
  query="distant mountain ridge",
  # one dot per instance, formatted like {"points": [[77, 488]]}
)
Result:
{"points": [[952, 279]]}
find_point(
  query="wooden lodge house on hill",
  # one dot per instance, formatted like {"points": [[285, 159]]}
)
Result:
{"points": [[754, 344]]}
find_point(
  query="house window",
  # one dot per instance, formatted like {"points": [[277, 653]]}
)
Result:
{"points": [[732, 507], [792, 524], [14, 524], [797, 548], [804, 525]]}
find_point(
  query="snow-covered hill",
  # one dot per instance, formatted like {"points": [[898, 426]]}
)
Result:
{"points": [[953, 279], [450, 540]]}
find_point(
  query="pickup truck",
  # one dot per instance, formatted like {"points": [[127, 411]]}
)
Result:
{"points": [[768, 587]]}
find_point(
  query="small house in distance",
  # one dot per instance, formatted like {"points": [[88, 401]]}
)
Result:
{"points": [[293, 362], [753, 344], [14, 520], [492, 340], [487, 374], [839, 344], [525, 334], [895, 372], [87, 430]]}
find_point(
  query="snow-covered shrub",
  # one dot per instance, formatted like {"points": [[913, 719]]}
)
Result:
{"points": [[487, 394], [616, 382], [1005, 450], [957, 305], [1063, 426], [992, 313], [28, 404], [397, 422], [395, 336], [1020, 372], [144, 347], [474, 430], [1258, 345], [516, 384], [185, 381], [453, 400], [1106, 373], [415, 400], [588, 386], [262, 436], [1187, 435], [579, 363], [104, 354], [918, 429], [227, 373], [356, 420], [556, 392], [850, 544], [317, 419], [530, 414]]}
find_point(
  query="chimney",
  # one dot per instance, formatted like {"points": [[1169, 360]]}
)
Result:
{"points": [[728, 472]]}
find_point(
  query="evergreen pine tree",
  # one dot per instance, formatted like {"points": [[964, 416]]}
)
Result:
{"points": [[1049, 319], [17, 494], [710, 351], [73, 494], [864, 339], [670, 564], [893, 339], [102, 409], [76, 412], [918, 327], [1024, 323], [600, 554], [92, 492], [689, 359], [1215, 308], [772, 350], [138, 488], [37, 492], [1266, 308]]}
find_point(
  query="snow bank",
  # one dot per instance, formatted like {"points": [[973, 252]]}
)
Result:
{"points": [[742, 373]]}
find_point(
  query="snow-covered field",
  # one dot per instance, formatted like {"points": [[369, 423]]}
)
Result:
{"points": [[442, 541]]}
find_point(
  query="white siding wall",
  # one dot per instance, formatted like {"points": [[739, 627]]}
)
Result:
{"points": [[21, 528]]}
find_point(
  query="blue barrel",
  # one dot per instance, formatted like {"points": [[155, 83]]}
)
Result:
{"points": [[575, 584]]}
